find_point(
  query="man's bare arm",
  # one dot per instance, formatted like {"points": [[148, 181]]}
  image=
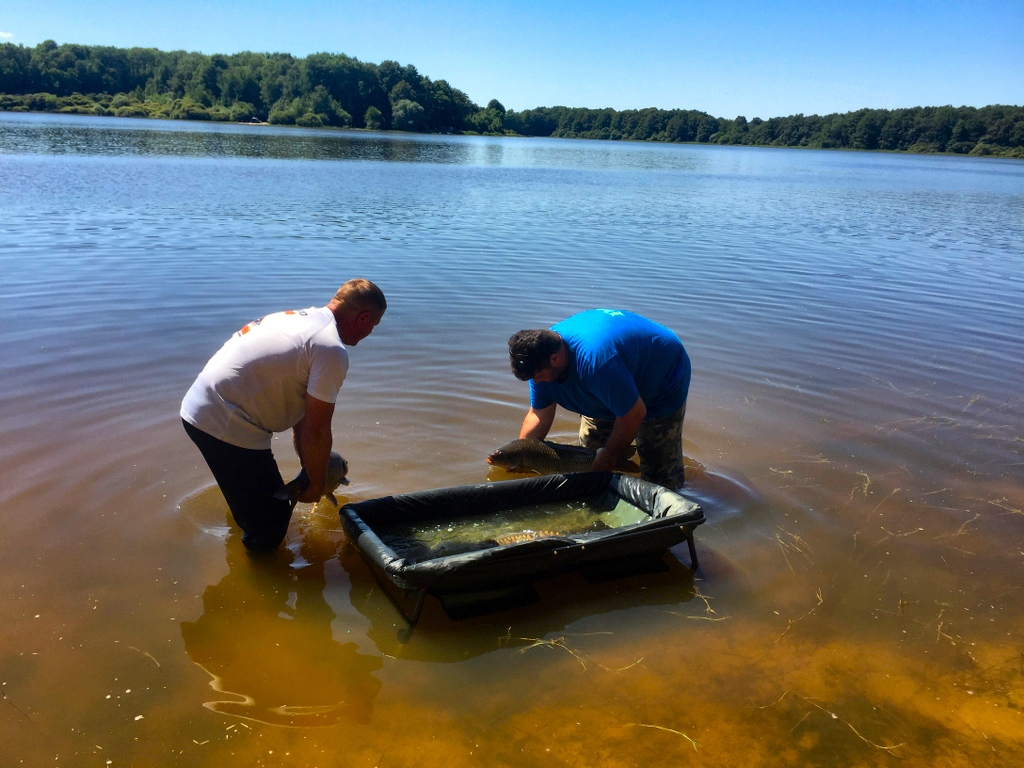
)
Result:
{"points": [[537, 424], [623, 433], [312, 439]]}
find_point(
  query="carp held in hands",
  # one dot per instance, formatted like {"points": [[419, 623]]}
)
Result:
{"points": [[546, 457], [337, 468]]}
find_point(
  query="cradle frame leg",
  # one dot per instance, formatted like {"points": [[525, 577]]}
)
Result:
{"points": [[694, 565]]}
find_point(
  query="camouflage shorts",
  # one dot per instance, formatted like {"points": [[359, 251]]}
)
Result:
{"points": [[659, 443]]}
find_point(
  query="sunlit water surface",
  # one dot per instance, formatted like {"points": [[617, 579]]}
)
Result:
{"points": [[854, 432]]}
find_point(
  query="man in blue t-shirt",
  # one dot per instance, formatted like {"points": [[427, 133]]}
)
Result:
{"points": [[626, 376]]}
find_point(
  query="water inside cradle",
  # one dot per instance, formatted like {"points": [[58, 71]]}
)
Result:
{"points": [[432, 539]]}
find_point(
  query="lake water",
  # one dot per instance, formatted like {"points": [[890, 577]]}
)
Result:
{"points": [[855, 433]]}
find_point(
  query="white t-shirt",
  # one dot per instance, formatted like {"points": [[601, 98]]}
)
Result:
{"points": [[256, 384]]}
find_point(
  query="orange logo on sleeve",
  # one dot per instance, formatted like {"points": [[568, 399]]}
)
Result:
{"points": [[248, 327]]}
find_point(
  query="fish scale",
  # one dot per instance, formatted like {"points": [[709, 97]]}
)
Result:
{"points": [[516, 538], [546, 457]]}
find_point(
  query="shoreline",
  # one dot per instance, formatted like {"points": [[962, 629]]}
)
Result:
{"points": [[511, 134]]}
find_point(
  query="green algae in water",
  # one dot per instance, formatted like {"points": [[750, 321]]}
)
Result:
{"points": [[431, 539]]}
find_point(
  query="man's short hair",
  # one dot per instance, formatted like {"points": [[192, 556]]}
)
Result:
{"points": [[530, 352], [362, 295]]}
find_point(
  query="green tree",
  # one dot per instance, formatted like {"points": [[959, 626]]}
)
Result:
{"points": [[243, 112], [286, 111], [352, 83], [402, 92], [310, 120], [16, 71], [373, 119], [450, 108], [407, 116], [321, 103], [187, 109]]}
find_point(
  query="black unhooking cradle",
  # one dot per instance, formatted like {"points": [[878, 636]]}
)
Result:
{"points": [[672, 521]]}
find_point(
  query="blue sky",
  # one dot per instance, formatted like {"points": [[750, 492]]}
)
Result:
{"points": [[727, 58]]}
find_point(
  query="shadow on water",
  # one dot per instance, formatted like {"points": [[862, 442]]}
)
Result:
{"points": [[563, 601], [723, 496], [265, 638]]}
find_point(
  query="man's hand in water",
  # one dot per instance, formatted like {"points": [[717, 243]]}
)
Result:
{"points": [[312, 439], [603, 461], [623, 433]]}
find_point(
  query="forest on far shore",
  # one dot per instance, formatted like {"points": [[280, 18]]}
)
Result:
{"points": [[327, 89]]}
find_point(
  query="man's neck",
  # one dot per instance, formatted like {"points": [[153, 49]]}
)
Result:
{"points": [[563, 374]]}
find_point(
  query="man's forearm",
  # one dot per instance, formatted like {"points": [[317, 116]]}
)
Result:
{"points": [[312, 438], [623, 432], [537, 424], [314, 450]]}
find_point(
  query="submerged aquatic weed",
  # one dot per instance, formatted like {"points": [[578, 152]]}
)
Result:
{"points": [[887, 748], [144, 653], [794, 622], [890, 535], [670, 730], [1003, 503], [794, 544], [863, 487], [960, 530], [622, 669], [973, 400], [558, 642], [707, 600]]}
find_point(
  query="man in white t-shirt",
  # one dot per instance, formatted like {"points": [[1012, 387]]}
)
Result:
{"points": [[280, 372]]}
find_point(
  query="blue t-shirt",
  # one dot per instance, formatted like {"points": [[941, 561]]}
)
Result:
{"points": [[614, 358]]}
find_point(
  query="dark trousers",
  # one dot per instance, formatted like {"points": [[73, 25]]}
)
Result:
{"points": [[248, 479]]}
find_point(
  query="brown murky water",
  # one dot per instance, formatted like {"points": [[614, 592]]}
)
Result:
{"points": [[854, 433]]}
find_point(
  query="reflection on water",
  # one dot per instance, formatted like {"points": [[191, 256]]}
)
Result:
{"points": [[855, 435], [265, 638], [563, 601], [43, 134]]}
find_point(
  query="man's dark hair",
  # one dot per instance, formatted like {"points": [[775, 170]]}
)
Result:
{"points": [[530, 352]]}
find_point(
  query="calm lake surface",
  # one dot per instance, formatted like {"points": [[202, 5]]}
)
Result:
{"points": [[855, 433]]}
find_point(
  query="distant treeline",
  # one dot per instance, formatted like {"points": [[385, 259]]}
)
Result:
{"points": [[994, 130], [326, 89], [321, 89]]}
